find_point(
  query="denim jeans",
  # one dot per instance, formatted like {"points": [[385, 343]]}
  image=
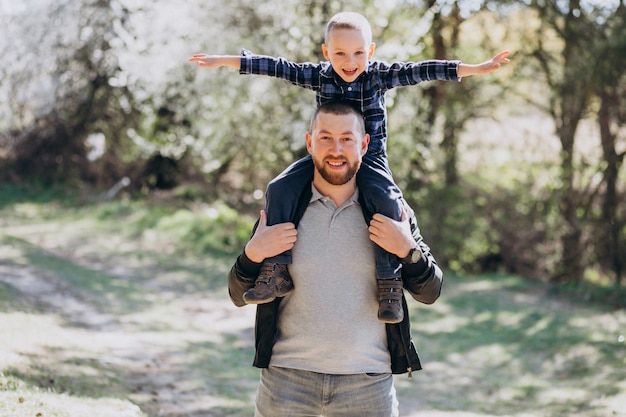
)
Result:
{"points": [[287, 392], [377, 194]]}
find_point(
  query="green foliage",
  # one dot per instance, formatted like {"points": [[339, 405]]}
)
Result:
{"points": [[453, 222], [34, 192], [211, 229], [77, 94]]}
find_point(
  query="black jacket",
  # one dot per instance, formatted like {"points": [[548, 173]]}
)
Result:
{"points": [[423, 281]]}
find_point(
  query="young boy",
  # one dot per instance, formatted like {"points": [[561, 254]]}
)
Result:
{"points": [[347, 75]]}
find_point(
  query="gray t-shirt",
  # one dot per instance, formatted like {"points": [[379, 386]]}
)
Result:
{"points": [[329, 323]]}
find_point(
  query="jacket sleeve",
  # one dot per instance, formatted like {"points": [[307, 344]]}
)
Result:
{"points": [[424, 279], [242, 275], [241, 278]]}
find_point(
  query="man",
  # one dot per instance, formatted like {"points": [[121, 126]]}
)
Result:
{"points": [[322, 350]]}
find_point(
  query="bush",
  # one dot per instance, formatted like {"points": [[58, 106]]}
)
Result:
{"points": [[208, 229]]}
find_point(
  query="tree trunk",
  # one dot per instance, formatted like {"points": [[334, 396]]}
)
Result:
{"points": [[611, 236], [573, 98], [571, 266]]}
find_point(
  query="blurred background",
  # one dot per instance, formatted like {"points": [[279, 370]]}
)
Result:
{"points": [[519, 171], [130, 180]]}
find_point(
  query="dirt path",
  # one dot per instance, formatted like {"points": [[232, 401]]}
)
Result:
{"points": [[144, 349], [150, 364], [148, 350], [162, 333]]}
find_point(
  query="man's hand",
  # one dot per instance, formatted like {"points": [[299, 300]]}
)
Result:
{"points": [[270, 241], [393, 236]]}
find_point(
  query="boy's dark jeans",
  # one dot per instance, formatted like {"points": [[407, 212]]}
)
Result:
{"points": [[289, 193]]}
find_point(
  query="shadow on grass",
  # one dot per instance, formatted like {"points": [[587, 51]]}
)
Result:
{"points": [[75, 376], [227, 375], [109, 293], [501, 346]]}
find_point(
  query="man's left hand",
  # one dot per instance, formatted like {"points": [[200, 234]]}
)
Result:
{"points": [[391, 235]]}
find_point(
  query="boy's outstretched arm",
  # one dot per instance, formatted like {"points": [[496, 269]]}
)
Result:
{"points": [[216, 61], [485, 67]]}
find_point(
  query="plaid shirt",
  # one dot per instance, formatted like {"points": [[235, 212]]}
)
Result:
{"points": [[367, 91]]}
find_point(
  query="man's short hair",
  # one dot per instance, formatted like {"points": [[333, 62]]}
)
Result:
{"points": [[349, 20], [340, 108]]}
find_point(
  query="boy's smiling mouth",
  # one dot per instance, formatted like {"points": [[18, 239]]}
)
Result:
{"points": [[350, 73]]}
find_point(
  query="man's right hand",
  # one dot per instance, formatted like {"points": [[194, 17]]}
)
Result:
{"points": [[269, 241]]}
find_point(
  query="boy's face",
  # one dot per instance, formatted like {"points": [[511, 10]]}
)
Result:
{"points": [[348, 52]]}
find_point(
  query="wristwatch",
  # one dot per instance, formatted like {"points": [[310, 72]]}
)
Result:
{"points": [[415, 254]]}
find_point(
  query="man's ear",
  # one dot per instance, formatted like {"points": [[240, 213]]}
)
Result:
{"points": [[365, 143], [325, 52], [308, 142], [371, 51]]}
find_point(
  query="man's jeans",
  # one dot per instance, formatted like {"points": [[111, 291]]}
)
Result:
{"points": [[287, 392]]}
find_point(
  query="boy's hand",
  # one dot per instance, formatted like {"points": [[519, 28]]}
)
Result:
{"points": [[206, 61], [216, 61], [495, 62], [484, 68], [270, 241]]}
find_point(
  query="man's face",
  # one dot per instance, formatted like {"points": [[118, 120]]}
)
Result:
{"points": [[337, 145], [348, 52]]}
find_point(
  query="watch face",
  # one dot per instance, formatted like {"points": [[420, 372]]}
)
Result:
{"points": [[413, 257]]}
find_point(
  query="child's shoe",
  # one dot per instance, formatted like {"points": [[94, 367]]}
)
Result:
{"points": [[273, 281], [390, 297]]}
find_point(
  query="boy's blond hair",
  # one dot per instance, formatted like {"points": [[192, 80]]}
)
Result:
{"points": [[349, 20]]}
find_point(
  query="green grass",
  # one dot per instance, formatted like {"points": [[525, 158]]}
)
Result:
{"points": [[108, 306], [504, 346]]}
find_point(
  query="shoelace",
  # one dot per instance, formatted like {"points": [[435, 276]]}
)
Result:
{"points": [[265, 274]]}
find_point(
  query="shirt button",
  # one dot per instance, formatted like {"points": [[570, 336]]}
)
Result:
{"points": [[349, 88]]}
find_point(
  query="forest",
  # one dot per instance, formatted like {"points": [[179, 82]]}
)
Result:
{"points": [[520, 171]]}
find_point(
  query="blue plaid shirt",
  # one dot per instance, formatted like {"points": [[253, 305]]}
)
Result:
{"points": [[367, 91]]}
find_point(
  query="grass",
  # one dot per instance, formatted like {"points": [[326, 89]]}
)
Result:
{"points": [[121, 309], [503, 346]]}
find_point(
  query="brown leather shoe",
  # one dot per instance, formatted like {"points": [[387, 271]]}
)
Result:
{"points": [[273, 281], [390, 297]]}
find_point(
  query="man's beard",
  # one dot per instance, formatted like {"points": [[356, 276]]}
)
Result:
{"points": [[336, 178]]}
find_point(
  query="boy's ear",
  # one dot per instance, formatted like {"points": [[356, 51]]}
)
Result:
{"points": [[371, 51], [325, 52]]}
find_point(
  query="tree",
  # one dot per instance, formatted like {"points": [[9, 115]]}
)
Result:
{"points": [[609, 87], [581, 28], [427, 122], [61, 98]]}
